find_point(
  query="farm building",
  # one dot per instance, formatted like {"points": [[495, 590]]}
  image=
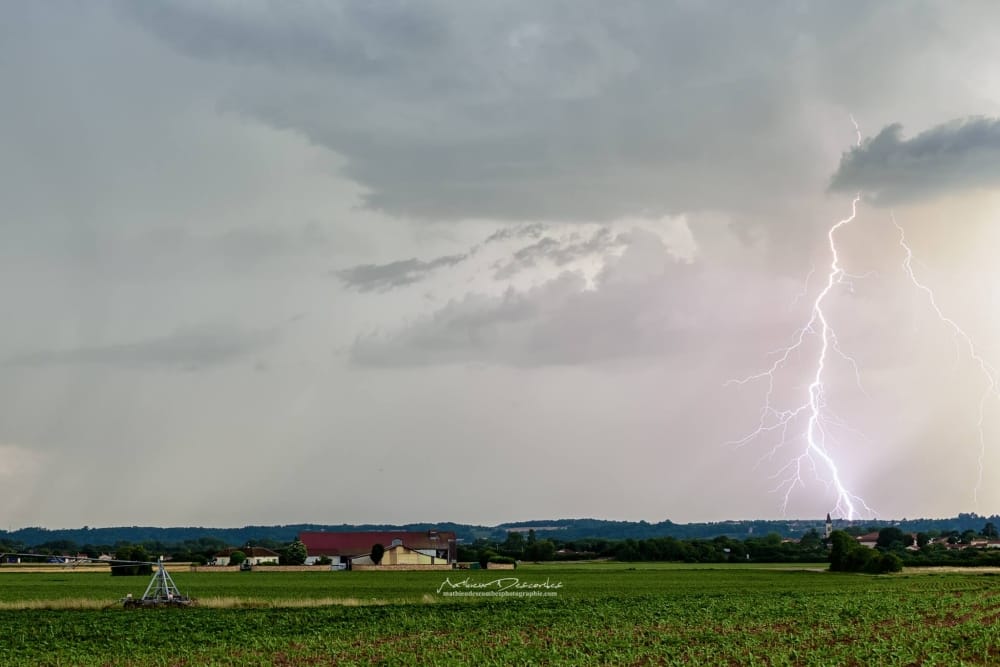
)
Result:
{"points": [[430, 547], [868, 539], [255, 555]]}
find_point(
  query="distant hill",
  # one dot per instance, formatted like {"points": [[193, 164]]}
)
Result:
{"points": [[561, 529]]}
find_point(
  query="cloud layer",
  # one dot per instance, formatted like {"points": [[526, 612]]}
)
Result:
{"points": [[961, 154], [554, 111], [341, 240], [375, 277], [645, 302]]}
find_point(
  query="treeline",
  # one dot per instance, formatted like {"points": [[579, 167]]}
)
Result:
{"points": [[934, 548], [562, 530], [894, 549], [278, 534], [576, 529], [198, 551], [770, 548]]}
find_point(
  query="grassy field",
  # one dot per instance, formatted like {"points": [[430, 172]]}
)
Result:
{"points": [[603, 614]]}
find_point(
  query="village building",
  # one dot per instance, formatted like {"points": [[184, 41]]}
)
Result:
{"points": [[255, 556], [400, 548], [868, 539]]}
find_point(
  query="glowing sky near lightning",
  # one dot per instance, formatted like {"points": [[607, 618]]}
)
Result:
{"points": [[496, 263]]}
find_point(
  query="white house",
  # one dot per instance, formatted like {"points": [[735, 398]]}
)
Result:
{"points": [[255, 556]]}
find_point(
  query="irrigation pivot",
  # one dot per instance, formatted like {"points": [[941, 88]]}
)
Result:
{"points": [[161, 591]]}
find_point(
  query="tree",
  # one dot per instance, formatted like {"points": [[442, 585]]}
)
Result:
{"points": [[467, 553], [237, 557], [295, 553], [377, 552], [923, 539], [849, 556], [514, 545], [990, 531], [846, 555], [131, 553], [810, 539], [627, 551], [883, 563], [892, 537], [540, 550], [841, 546]]}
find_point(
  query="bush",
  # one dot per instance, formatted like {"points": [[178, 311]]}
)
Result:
{"points": [[237, 557], [503, 560], [883, 563], [484, 557]]}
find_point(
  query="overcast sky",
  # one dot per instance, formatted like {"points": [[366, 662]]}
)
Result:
{"points": [[271, 262]]}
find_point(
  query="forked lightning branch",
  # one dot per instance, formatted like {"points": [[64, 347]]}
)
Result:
{"points": [[808, 429]]}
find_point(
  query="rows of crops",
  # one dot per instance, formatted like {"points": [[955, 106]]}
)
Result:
{"points": [[612, 616], [584, 581]]}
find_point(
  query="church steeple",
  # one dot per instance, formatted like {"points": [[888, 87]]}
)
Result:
{"points": [[829, 526]]}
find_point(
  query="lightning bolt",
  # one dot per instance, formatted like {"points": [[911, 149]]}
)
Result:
{"points": [[992, 387], [819, 421], [857, 129]]}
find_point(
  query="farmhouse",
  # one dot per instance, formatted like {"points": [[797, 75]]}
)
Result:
{"points": [[430, 547], [255, 555], [868, 539]]}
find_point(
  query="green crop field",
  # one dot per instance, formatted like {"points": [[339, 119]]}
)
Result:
{"points": [[603, 614]]}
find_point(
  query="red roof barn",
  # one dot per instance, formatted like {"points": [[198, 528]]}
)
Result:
{"points": [[341, 547]]}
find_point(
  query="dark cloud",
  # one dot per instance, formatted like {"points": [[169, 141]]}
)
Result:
{"points": [[381, 277], [958, 155], [581, 111], [558, 252], [189, 350], [644, 304], [559, 322], [533, 230], [359, 39]]}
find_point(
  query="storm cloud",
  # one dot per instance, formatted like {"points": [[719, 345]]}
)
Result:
{"points": [[373, 277], [559, 252], [343, 239], [954, 156], [644, 303], [551, 111]]}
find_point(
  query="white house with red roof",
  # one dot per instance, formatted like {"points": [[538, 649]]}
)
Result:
{"points": [[254, 556]]}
